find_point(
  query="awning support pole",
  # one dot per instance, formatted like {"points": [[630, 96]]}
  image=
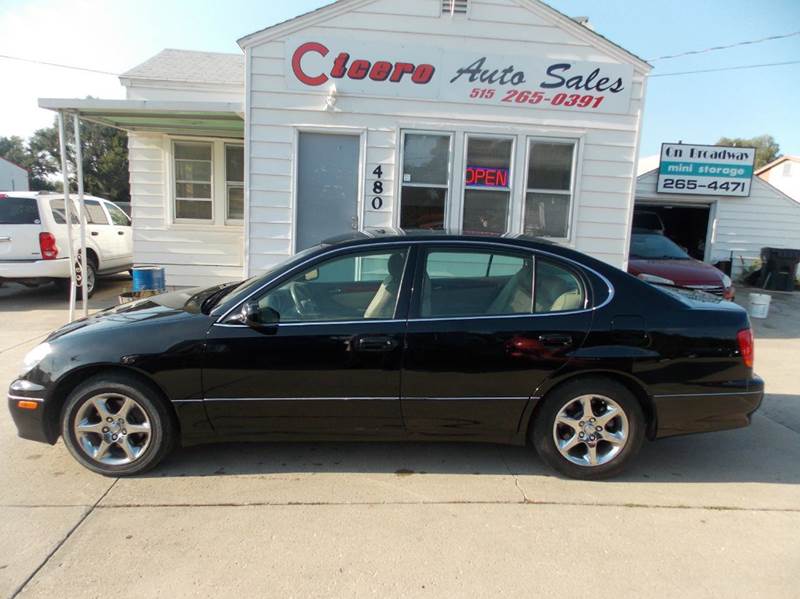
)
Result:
{"points": [[62, 147], [82, 214]]}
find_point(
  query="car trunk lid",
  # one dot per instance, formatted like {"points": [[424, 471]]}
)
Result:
{"points": [[20, 225]]}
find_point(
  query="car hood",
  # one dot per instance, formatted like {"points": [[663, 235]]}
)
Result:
{"points": [[156, 308], [682, 272]]}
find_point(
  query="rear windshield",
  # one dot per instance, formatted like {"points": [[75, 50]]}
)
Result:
{"points": [[19, 211]]}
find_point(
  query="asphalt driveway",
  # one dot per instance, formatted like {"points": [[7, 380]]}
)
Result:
{"points": [[705, 516]]}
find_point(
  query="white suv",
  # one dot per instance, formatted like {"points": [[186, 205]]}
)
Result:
{"points": [[33, 238]]}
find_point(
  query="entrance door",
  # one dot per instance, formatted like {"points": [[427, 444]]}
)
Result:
{"points": [[327, 187]]}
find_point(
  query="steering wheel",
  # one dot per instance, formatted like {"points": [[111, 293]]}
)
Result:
{"points": [[303, 301]]}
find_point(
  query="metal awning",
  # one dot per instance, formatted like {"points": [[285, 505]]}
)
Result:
{"points": [[216, 119]]}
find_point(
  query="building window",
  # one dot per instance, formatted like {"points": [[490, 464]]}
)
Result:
{"points": [[234, 182], [548, 191], [425, 183], [787, 168], [487, 185], [194, 199]]}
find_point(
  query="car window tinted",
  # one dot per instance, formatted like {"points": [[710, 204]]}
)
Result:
{"points": [[57, 208], [95, 213], [557, 289], [118, 217], [652, 246], [357, 286], [476, 283], [19, 211]]}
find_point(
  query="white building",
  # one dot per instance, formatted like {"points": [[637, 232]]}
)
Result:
{"points": [[783, 173], [498, 116], [12, 176], [721, 228]]}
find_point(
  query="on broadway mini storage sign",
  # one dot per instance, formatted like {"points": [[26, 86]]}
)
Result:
{"points": [[705, 170], [406, 71]]}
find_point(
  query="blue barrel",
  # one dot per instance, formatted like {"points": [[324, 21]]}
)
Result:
{"points": [[149, 278]]}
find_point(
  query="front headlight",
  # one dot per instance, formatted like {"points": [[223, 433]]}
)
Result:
{"points": [[656, 279], [33, 357], [726, 281]]}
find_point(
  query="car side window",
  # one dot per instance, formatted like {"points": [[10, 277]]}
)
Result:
{"points": [[118, 217], [95, 213], [59, 216], [358, 286], [557, 288], [476, 283]]}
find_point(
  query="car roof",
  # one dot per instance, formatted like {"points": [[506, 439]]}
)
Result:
{"points": [[390, 233]]}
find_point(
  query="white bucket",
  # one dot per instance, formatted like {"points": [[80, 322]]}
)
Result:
{"points": [[759, 305]]}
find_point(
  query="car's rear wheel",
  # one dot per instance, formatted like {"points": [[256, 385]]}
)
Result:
{"points": [[589, 428], [117, 425], [91, 279]]}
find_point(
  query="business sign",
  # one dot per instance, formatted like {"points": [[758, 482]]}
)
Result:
{"points": [[705, 170], [486, 176], [411, 71]]}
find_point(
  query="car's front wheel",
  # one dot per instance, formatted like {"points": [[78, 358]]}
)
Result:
{"points": [[117, 425], [589, 428]]}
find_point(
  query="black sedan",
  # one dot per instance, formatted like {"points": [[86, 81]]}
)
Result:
{"points": [[398, 336]]}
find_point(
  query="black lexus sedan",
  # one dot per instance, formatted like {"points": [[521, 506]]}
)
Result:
{"points": [[393, 336]]}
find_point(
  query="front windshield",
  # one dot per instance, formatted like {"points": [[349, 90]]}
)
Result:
{"points": [[655, 247], [245, 287]]}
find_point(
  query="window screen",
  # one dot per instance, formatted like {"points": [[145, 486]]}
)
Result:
{"points": [[193, 189], [425, 183], [548, 195]]}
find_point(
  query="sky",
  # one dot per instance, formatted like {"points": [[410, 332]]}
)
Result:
{"points": [[114, 36]]}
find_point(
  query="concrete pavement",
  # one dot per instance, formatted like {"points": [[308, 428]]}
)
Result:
{"points": [[710, 515]]}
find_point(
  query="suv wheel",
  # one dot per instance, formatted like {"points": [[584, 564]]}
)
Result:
{"points": [[91, 279], [589, 429], [117, 425]]}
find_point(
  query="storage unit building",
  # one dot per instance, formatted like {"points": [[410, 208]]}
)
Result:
{"points": [[721, 228], [12, 177]]}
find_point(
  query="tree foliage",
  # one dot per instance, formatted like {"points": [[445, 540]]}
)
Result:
{"points": [[105, 159], [767, 149]]}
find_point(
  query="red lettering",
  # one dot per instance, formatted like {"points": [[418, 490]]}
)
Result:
{"points": [[297, 67], [423, 74], [491, 177], [470, 176], [400, 69], [502, 178], [359, 69], [340, 65], [380, 71]]}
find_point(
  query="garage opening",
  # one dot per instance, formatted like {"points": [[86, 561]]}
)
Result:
{"points": [[685, 225]]}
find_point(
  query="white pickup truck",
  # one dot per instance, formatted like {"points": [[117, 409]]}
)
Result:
{"points": [[33, 238]]}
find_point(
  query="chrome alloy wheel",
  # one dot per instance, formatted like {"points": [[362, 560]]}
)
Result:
{"points": [[591, 430], [112, 429], [90, 278]]}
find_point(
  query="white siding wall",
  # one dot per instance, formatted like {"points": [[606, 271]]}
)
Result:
{"points": [[786, 177], [767, 218], [12, 177], [181, 92], [191, 254], [607, 142]]}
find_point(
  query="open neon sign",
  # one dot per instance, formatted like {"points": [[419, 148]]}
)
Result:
{"points": [[487, 176]]}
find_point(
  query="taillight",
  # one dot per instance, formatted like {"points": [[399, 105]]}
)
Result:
{"points": [[746, 347], [47, 243]]}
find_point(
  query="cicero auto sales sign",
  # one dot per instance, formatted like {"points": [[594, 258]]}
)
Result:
{"points": [[405, 71]]}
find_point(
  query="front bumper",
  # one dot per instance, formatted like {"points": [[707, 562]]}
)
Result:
{"points": [[27, 407], [35, 269], [724, 408]]}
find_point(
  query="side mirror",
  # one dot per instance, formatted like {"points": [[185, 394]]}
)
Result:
{"points": [[260, 319]]}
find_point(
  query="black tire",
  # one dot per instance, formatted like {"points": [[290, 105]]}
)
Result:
{"points": [[543, 431], [91, 282], [162, 435]]}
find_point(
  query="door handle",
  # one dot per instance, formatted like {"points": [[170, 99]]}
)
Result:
{"points": [[556, 340], [120, 232], [378, 343], [95, 233]]}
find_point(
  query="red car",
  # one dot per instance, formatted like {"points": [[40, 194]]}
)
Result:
{"points": [[657, 259]]}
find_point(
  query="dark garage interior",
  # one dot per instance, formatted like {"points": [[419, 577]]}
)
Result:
{"points": [[685, 225]]}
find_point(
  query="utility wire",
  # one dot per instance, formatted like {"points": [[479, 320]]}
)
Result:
{"points": [[55, 64], [737, 68], [717, 48]]}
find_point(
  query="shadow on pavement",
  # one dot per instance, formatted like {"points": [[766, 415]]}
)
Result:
{"points": [[766, 452], [18, 298]]}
